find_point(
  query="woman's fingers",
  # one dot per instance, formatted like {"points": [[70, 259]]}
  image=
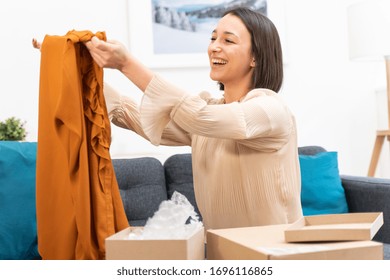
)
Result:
{"points": [[100, 44], [36, 44], [95, 52]]}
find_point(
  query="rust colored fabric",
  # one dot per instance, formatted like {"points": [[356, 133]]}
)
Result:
{"points": [[78, 199]]}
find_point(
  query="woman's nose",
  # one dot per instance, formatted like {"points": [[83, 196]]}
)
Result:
{"points": [[214, 47]]}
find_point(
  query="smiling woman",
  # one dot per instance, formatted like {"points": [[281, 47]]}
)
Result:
{"points": [[245, 38], [232, 61], [244, 144]]}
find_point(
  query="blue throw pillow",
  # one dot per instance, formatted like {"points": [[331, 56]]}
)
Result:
{"points": [[18, 229], [322, 192]]}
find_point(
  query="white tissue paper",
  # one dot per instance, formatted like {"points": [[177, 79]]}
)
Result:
{"points": [[175, 219]]}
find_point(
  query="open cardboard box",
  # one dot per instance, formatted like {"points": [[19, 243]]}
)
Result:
{"points": [[268, 243], [335, 227], [120, 247]]}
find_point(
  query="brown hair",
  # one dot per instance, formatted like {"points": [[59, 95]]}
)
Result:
{"points": [[266, 49]]}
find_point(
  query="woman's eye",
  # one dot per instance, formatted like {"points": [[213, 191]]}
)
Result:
{"points": [[212, 39], [229, 41]]}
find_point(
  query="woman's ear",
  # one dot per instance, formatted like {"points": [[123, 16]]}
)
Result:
{"points": [[253, 63]]}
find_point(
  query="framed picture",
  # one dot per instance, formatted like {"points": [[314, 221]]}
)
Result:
{"points": [[176, 33]]}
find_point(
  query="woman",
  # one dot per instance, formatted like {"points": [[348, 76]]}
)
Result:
{"points": [[244, 145]]}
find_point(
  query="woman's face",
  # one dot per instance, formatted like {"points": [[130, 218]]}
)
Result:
{"points": [[230, 53]]}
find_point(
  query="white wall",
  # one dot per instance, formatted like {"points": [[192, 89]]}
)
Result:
{"points": [[333, 98]]}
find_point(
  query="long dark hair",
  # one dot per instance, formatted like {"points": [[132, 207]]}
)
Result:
{"points": [[266, 49]]}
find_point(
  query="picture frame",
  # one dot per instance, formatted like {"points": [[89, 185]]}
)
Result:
{"points": [[140, 36]]}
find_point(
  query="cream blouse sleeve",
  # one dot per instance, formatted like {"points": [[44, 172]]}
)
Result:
{"points": [[260, 121], [124, 112]]}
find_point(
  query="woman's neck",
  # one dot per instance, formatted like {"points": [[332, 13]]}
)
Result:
{"points": [[235, 93]]}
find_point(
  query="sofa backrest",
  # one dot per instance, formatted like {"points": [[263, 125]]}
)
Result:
{"points": [[310, 150], [142, 187], [178, 176], [144, 182]]}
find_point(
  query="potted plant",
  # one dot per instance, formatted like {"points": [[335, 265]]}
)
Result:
{"points": [[12, 129]]}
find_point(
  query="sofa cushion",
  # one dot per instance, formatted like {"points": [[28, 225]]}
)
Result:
{"points": [[178, 175], [142, 187], [18, 228], [322, 191]]}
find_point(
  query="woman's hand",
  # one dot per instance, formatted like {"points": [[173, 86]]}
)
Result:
{"points": [[36, 44], [110, 54]]}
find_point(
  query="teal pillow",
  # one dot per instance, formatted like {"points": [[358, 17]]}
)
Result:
{"points": [[18, 228], [322, 191]]}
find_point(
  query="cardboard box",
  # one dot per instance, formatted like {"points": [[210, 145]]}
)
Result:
{"points": [[336, 227], [120, 247], [267, 243]]}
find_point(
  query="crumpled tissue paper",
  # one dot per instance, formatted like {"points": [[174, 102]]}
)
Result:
{"points": [[175, 219]]}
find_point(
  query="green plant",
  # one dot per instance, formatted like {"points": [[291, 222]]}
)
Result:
{"points": [[12, 129]]}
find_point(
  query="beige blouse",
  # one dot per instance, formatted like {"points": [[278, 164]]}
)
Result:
{"points": [[244, 154]]}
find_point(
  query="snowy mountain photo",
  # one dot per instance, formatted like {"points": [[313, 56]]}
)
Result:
{"points": [[184, 26]]}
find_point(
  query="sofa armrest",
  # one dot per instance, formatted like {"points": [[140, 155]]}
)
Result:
{"points": [[368, 194]]}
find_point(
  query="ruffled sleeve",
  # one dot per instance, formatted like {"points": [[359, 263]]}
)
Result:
{"points": [[155, 110], [124, 112], [260, 120]]}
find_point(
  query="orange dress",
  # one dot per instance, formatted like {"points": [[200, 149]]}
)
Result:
{"points": [[78, 199]]}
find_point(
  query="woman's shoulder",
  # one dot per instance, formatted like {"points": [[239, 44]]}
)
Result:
{"points": [[260, 92], [265, 97]]}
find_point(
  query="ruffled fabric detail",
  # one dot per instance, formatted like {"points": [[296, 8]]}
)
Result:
{"points": [[94, 110]]}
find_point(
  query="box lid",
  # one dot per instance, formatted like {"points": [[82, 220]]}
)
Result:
{"points": [[267, 243], [335, 227]]}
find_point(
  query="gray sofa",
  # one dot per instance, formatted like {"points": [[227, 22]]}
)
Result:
{"points": [[145, 182]]}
